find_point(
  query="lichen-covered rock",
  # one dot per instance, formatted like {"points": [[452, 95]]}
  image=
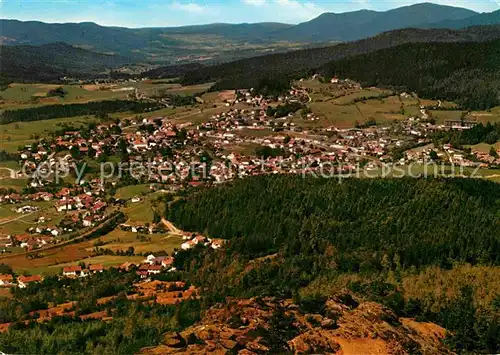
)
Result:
{"points": [[343, 326]]}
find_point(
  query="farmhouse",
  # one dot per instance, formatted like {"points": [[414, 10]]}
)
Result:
{"points": [[96, 268], [6, 279], [460, 124], [72, 271], [188, 245], [24, 281]]}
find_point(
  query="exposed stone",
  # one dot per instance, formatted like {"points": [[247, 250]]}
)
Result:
{"points": [[173, 340], [249, 327]]}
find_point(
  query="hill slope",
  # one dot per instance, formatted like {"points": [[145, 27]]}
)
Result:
{"points": [[288, 213], [486, 19], [467, 73], [248, 73], [190, 43], [222, 42], [52, 61], [355, 25], [311, 237], [282, 326]]}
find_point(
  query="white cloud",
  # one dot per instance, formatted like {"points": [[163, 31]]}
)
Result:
{"points": [[188, 7], [252, 2], [300, 10]]}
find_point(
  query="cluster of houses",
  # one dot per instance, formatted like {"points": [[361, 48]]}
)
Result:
{"points": [[14, 198], [153, 265], [146, 228], [178, 155], [78, 271], [487, 159], [7, 280], [194, 240]]}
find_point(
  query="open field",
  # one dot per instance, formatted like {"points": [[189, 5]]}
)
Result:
{"points": [[118, 240], [492, 115], [140, 212], [344, 108], [105, 260], [13, 135], [442, 116], [484, 147], [9, 183], [128, 192], [18, 96], [31, 95], [5, 292], [54, 256], [17, 223]]}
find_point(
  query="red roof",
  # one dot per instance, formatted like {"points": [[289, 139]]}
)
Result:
{"points": [[73, 268], [168, 261], [28, 279], [6, 278], [98, 206], [96, 267]]}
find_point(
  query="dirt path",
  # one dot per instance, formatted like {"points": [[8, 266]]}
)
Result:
{"points": [[173, 229], [17, 218], [12, 172], [109, 219]]}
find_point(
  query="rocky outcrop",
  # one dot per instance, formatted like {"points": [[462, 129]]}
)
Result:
{"points": [[340, 325]]}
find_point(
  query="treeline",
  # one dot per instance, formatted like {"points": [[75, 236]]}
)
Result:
{"points": [[308, 237], [170, 71], [51, 62], [489, 133], [131, 325], [466, 73], [247, 73], [176, 100], [283, 110], [98, 108], [6, 156], [423, 222]]}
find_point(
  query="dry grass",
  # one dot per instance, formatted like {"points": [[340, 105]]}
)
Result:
{"points": [[120, 240], [484, 280]]}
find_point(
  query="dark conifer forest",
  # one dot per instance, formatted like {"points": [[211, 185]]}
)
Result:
{"points": [[424, 221], [98, 108], [465, 72], [290, 236]]}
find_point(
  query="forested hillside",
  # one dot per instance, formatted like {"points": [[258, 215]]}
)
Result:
{"points": [[423, 221], [124, 326], [98, 108], [161, 45], [293, 236], [147, 43], [484, 19], [52, 61], [171, 71], [248, 73], [351, 26], [467, 73]]}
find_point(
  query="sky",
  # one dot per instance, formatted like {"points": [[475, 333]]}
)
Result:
{"points": [[165, 13]]}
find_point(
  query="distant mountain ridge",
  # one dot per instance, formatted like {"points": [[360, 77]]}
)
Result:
{"points": [[50, 62], [223, 42], [485, 19], [247, 73], [355, 25]]}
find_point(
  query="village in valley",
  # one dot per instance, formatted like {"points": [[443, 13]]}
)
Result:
{"points": [[93, 196]]}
